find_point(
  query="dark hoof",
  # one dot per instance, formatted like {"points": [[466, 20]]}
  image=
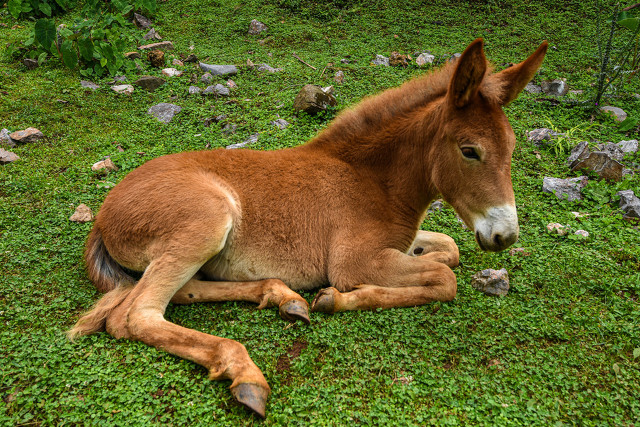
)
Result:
{"points": [[294, 309], [252, 396], [325, 301]]}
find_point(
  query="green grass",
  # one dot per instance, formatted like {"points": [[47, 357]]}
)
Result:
{"points": [[559, 349]]}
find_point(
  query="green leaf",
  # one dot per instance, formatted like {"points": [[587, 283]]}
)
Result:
{"points": [[103, 62], [69, 55], [628, 124], [15, 7], [42, 57], [45, 8], [630, 23], [45, 32], [85, 46], [636, 353], [65, 32]]}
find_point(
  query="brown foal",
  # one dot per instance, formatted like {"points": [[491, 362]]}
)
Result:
{"points": [[342, 210]]}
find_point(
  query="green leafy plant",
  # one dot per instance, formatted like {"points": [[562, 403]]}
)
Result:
{"points": [[563, 142], [95, 44], [36, 8]]}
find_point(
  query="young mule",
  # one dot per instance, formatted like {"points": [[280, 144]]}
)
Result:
{"points": [[341, 210]]}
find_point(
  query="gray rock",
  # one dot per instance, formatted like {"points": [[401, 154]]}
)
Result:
{"points": [[7, 157], [339, 77], [82, 214], [5, 139], [118, 79], [191, 58], [152, 35], [160, 45], [618, 113], [257, 27], [531, 88], [312, 99], [630, 146], [436, 206], [218, 70], [602, 164], [229, 129], [629, 203], [89, 85], [217, 90], [557, 87], [194, 90], [613, 150], [580, 151], [491, 282], [171, 72], [126, 89], [455, 56], [27, 136], [141, 21], [31, 64], [280, 123], [381, 60], [583, 233], [249, 141], [565, 188], [628, 172], [206, 78], [106, 165], [268, 68], [539, 136], [164, 111], [424, 59], [150, 83]]}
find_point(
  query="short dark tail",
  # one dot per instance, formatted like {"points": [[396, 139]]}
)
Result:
{"points": [[108, 277]]}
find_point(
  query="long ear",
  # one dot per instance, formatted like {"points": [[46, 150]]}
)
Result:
{"points": [[470, 70], [515, 78]]}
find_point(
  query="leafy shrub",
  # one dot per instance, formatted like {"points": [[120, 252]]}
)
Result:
{"points": [[37, 8], [96, 44]]}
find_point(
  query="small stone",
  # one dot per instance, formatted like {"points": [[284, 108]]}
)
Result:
{"points": [[118, 79], [312, 99], [491, 282], [191, 58], [455, 57], [126, 89], [249, 141], [156, 58], [106, 164], [89, 85], [268, 68], [206, 78], [602, 164], [164, 111], [177, 63], [345, 61], [7, 157], [82, 214], [5, 139], [219, 70], [280, 123], [436, 206], [424, 59], [565, 188], [531, 88], [141, 21], [381, 60], [578, 152], [160, 45], [398, 60], [194, 90], [538, 136], [171, 72], [557, 87], [229, 129], [216, 90], [582, 233], [557, 228], [617, 113], [630, 146], [152, 35], [231, 84], [132, 55], [31, 64], [26, 136], [339, 77], [629, 203], [519, 252], [256, 27], [150, 83]]}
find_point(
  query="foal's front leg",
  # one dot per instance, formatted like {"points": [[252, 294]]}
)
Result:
{"points": [[392, 279], [436, 247]]}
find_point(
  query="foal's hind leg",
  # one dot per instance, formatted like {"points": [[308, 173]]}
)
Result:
{"points": [[435, 247], [265, 293]]}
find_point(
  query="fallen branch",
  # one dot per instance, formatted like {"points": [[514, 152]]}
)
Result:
{"points": [[628, 8], [300, 59]]}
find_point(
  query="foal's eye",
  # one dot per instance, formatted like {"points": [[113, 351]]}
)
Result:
{"points": [[470, 153]]}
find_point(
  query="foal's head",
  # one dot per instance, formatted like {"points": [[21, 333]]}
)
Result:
{"points": [[472, 153]]}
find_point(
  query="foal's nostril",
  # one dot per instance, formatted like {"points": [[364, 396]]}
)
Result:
{"points": [[497, 239]]}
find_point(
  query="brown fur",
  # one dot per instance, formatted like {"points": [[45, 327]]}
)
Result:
{"points": [[343, 209]]}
